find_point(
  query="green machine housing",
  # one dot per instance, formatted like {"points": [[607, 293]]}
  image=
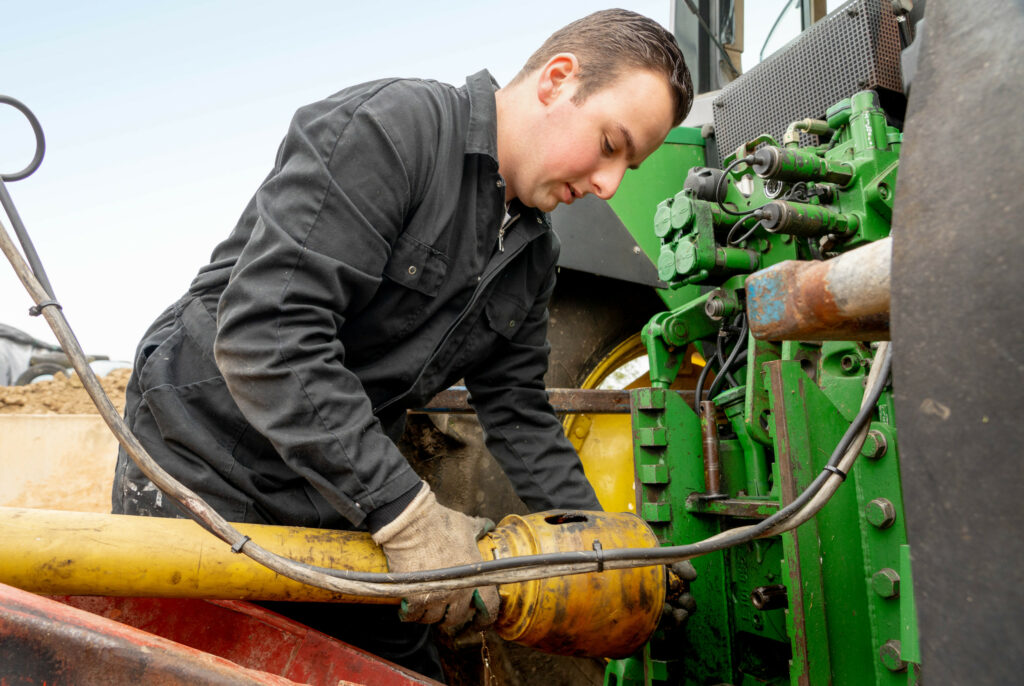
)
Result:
{"points": [[831, 601]]}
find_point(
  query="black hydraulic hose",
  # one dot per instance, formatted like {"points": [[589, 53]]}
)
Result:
{"points": [[749, 159], [8, 204], [720, 353], [698, 392], [379, 584], [741, 344], [730, 238], [670, 554]]}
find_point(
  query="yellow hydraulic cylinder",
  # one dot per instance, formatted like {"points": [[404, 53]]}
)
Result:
{"points": [[606, 614]]}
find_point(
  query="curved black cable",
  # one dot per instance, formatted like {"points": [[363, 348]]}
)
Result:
{"points": [[741, 343], [37, 130], [749, 159], [196, 507], [698, 391], [730, 240], [720, 353], [8, 204], [669, 553]]}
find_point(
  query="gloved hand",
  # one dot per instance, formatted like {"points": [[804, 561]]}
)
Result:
{"points": [[427, 535]]}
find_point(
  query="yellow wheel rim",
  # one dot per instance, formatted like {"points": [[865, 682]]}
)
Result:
{"points": [[604, 441]]}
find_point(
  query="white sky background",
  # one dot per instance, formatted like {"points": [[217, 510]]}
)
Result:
{"points": [[161, 119]]}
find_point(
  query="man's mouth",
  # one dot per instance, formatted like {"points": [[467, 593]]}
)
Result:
{"points": [[571, 193]]}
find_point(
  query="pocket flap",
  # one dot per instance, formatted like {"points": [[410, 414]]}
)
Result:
{"points": [[416, 265], [505, 315]]}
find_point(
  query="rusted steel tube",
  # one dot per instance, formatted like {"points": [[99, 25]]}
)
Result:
{"points": [[712, 461], [845, 298], [455, 400]]}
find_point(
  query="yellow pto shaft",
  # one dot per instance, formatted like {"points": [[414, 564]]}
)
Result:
{"points": [[606, 614]]}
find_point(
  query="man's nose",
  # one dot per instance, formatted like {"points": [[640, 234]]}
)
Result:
{"points": [[605, 181]]}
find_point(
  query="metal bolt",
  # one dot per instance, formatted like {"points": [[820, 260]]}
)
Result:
{"points": [[677, 329], [848, 363], [881, 513], [883, 191], [886, 583], [769, 597], [889, 654], [636, 249], [714, 308], [875, 445]]}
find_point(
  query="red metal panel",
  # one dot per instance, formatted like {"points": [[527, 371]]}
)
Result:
{"points": [[173, 641], [252, 637], [46, 642]]}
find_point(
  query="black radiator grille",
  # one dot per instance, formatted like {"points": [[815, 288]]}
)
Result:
{"points": [[854, 48]]}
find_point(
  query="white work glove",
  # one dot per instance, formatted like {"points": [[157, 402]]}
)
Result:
{"points": [[428, 535]]}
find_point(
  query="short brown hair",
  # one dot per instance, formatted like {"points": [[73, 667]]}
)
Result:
{"points": [[610, 41]]}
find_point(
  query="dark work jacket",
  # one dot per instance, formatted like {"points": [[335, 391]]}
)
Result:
{"points": [[363, 277]]}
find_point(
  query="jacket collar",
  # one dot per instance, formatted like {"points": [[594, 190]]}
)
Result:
{"points": [[482, 135], [482, 138]]}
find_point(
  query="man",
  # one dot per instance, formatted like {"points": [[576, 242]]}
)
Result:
{"points": [[398, 245]]}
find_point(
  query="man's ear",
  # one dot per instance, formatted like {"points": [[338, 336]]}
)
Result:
{"points": [[558, 77]]}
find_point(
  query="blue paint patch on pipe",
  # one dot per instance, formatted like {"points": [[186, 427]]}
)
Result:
{"points": [[766, 298]]}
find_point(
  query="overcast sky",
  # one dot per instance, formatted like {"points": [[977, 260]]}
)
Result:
{"points": [[161, 119]]}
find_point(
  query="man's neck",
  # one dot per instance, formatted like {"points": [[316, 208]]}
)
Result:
{"points": [[509, 108]]}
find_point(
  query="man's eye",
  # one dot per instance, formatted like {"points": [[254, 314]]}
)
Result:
{"points": [[608, 146]]}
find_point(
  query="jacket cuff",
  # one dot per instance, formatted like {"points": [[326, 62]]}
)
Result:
{"points": [[385, 514]]}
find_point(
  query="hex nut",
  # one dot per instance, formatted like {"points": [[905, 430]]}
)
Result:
{"points": [[889, 654], [886, 583], [881, 513], [875, 445]]}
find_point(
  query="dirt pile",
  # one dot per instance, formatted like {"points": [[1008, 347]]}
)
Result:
{"points": [[62, 395]]}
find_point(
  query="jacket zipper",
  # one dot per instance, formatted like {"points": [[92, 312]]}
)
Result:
{"points": [[507, 224]]}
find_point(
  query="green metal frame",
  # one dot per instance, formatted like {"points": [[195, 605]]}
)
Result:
{"points": [[849, 614]]}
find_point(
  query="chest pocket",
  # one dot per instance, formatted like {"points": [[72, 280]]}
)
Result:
{"points": [[505, 315], [416, 265]]}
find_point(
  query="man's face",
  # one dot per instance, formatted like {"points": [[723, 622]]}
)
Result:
{"points": [[587, 148]]}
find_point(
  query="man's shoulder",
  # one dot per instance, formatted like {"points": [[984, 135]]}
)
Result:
{"points": [[382, 93]]}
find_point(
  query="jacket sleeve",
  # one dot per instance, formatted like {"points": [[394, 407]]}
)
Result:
{"points": [[345, 179], [520, 427]]}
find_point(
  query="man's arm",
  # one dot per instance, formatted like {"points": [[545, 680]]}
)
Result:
{"points": [[520, 427], [326, 220]]}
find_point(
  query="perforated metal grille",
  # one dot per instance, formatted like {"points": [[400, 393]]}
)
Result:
{"points": [[854, 48]]}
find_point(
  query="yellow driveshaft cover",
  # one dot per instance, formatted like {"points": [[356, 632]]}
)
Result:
{"points": [[607, 614]]}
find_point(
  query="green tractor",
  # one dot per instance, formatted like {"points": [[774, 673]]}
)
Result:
{"points": [[738, 285]]}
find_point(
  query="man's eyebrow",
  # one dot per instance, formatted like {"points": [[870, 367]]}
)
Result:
{"points": [[630, 144]]}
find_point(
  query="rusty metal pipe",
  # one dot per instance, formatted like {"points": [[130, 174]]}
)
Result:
{"points": [[845, 298], [455, 400], [712, 460]]}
